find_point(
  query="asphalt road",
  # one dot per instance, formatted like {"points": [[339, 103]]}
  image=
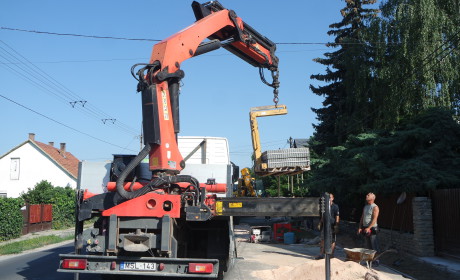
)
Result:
{"points": [[255, 261], [38, 264], [41, 264]]}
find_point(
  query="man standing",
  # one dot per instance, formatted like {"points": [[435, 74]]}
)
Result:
{"points": [[335, 218], [368, 223]]}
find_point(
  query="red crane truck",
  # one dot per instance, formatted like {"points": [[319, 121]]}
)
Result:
{"points": [[169, 224]]}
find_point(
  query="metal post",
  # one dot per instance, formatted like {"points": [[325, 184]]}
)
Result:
{"points": [[279, 187], [288, 183], [327, 235]]}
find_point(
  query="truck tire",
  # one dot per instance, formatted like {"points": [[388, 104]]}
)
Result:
{"points": [[225, 265]]}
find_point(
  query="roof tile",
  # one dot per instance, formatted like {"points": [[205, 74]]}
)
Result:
{"points": [[68, 161]]}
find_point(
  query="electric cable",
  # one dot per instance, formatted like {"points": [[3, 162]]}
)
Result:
{"points": [[157, 40], [54, 87], [62, 124]]}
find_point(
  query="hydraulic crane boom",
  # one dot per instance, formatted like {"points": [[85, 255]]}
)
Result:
{"points": [[159, 80], [153, 221]]}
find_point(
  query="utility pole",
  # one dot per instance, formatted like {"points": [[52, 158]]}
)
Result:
{"points": [[291, 142], [279, 186]]}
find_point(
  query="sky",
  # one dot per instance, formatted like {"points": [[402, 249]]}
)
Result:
{"points": [[79, 90]]}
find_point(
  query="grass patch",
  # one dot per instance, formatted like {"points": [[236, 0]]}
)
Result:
{"points": [[24, 245]]}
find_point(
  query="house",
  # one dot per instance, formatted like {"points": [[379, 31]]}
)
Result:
{"points": [[31, 162], [299, 143]]}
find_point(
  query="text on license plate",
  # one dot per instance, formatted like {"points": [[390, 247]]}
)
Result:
{"points": [[138, 266]]}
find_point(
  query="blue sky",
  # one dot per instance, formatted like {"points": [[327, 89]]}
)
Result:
{"points": [[46, 72]]}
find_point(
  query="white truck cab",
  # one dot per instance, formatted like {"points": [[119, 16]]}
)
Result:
{"points": [[206, 158]]}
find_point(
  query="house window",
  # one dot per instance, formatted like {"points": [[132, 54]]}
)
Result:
{"points": [[2, 193], [14, 169]]}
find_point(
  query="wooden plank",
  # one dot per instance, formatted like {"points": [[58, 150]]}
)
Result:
{"points": [[446, 222], [47, 213], [35, 213]]}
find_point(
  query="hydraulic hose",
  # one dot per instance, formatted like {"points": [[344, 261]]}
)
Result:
{"points": [[121, 179], [155, 183]]}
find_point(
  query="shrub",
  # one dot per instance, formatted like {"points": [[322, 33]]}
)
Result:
{"points": [[42, 193], [63, 207], [10, 218], [62, 199]]}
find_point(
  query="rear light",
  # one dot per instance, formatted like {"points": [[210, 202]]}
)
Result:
{"points": [[74, 263], [200, 267], [161, 266]]}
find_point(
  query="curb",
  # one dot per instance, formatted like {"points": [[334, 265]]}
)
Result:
{"points": [[61, 233], [44, 248]]}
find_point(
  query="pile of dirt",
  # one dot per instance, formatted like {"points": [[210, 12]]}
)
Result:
{"points": [[314, 270]]}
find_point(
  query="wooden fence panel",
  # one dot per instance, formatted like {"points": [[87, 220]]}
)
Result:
{"points": [[37, 217], [395, 216], [47, 213], [446, 222], [35, 213]]}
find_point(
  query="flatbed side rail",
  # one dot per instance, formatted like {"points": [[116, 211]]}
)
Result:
{"points": [[268, 206]]}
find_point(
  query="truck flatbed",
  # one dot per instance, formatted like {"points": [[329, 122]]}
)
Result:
{"points": [[267, 206]]}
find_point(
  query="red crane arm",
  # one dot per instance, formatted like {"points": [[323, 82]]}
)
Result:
{"points": [[219, 26], [159, 80]]}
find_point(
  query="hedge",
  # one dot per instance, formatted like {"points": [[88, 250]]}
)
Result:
{"points": [[11, 220]]}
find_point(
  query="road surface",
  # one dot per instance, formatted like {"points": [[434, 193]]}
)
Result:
{"points": [[39, 264], [255, 261]]}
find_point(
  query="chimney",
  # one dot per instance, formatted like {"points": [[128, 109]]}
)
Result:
{"points": [[51, 144], [62, 151], [32, 136]]}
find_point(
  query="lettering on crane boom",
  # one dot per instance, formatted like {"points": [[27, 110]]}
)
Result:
{"points": [[165, 105]]}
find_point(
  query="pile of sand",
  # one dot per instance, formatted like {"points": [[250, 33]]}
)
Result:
{"points": [[315, 270]]}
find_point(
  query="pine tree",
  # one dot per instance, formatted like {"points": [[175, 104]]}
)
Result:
{"points": [[346, 93]]}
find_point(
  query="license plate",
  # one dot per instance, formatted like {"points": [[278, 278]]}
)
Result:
{"points": [[138, 266]]}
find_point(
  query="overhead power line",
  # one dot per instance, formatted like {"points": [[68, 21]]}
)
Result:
{"points": [[157, 40], [60, 123], [84, 60], [77, 35], [20, 65]]}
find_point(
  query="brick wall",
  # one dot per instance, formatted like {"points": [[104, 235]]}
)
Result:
{"points": [[423, 227]]}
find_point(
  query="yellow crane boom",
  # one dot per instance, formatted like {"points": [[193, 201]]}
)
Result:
{"points": [[275, 162]]}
